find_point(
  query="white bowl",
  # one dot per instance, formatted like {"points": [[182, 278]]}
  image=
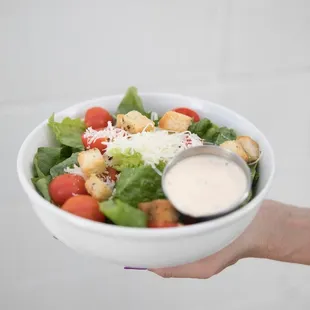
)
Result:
{"points": [[139, 247]]}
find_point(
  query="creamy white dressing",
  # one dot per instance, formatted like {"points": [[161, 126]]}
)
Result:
{"points": [[204, 185]]}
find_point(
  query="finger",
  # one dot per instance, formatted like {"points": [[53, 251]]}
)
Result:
{"points": [[195, 270]]}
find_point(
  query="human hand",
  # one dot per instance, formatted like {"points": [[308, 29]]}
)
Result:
{"points": [[254, 242]]}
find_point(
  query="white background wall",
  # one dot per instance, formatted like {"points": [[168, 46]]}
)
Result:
{"points": [[252, 56]]}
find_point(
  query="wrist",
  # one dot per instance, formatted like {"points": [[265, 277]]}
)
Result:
{"points": [[279, 232], [267, 230]]}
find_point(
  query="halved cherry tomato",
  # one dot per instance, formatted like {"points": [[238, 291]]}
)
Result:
{"points": [[65, 186], [161, 225], [188, 112], [84, 206], [97, 144], [97, 117]]}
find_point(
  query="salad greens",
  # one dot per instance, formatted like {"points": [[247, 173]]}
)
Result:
{"points": [[201, 128], [69, 131], [131, 102], [139, 184], [41, 184], [210, 132], [121, 213], [225, 134], [60, 167], [49, 162], [255, 176], [122, 160], [45, 159]]}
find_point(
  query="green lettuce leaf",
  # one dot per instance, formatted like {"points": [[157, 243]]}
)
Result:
{"points": [[131, 102], [200, 128], [121, 213], [45, 159], [122, 160], [210, 132], [66, 152], [69, 131], [59, 168], [255, 175], [137, 185], [253, 170], [205, 129], [41, 184], [161, 166], [225, 134]]}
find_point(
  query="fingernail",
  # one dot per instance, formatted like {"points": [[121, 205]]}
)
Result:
{"points": [[131, 268]]}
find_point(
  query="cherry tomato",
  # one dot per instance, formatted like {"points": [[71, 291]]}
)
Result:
{"points": [[84, 206], [162, 225], [189, 113], [65, 186], [97, 144], [97, 117]]}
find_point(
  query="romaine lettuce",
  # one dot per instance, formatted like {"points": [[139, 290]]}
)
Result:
{"points": [[41, 184], [210, 132], [59, 168], [139, 184], [225, 134], [131, 102], [45, 159], [121, 213], [69, 131], [121, 160]]}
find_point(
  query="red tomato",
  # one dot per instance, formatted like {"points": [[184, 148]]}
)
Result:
{"points": [[189, 113], [161, 225], [65, 186], [96, 144], [97, 117], [112, 174], [84, 206]]}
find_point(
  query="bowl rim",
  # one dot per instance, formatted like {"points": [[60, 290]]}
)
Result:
{"points": [[131, 232]]}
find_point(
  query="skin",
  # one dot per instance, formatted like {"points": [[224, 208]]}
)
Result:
{"points": [[279, 232]]}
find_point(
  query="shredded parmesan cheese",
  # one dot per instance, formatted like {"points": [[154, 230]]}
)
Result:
{"points": [[154, 147], [154, 116], [75, 170], [109, 182], [110, 133]]}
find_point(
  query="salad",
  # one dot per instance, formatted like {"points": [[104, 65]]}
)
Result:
{"points": [[108, 167]]}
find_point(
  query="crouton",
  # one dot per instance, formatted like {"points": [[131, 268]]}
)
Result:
{"points": [[119, 120], [91, 162], [159, 212], [235, 147], [250, 146], [175, 121], [134, 122], [97, 188]]}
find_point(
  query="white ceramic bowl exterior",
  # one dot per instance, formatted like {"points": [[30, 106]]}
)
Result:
{"points": [[136, 247]]}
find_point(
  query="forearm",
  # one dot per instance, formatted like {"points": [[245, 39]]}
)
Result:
{"points": [[281, 232]]}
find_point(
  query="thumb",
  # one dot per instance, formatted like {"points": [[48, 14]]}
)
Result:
{"points": [[197, 270]]}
